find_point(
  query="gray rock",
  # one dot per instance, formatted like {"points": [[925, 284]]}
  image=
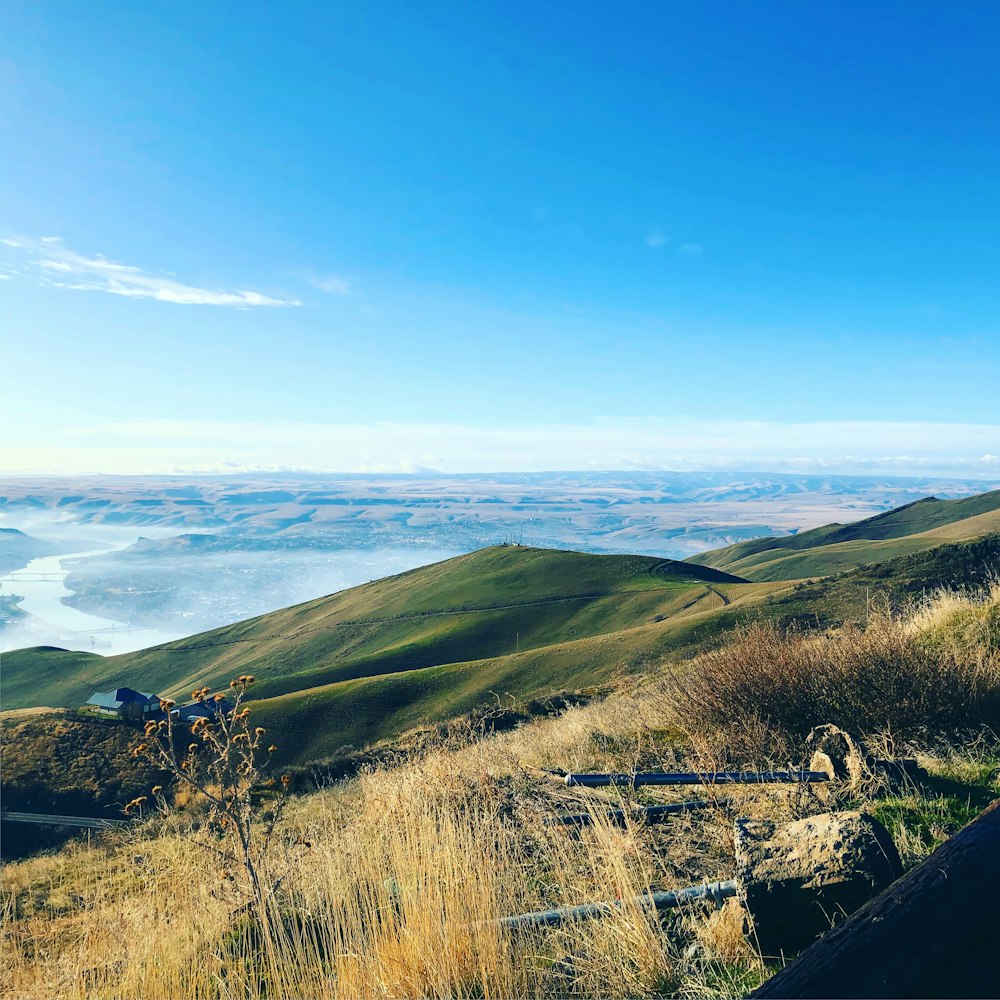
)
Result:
{"points": [[796, 880]]}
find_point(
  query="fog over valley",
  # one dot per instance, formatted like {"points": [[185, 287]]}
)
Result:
{"points": [[113, 564]]}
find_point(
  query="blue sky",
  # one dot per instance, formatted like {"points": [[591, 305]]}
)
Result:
{"points": [[501, 235]]}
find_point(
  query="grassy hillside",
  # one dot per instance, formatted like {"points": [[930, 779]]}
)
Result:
{"points": [[496, 602], [836, 547], [391, 884], [54, 762], [315, 723], [30, 676], [371, 663]]}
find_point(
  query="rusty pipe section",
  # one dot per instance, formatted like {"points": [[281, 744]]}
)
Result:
{"points": [[651, 814], [717, 891], [697, 778]]}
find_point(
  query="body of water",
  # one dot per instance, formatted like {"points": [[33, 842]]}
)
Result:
{"points": [[42, 585]]}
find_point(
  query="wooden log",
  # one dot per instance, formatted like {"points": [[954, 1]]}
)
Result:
{"points": [[935, 932]]}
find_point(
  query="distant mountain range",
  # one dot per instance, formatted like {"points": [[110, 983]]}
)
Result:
{"points": [[670, 513], [414, 649]]}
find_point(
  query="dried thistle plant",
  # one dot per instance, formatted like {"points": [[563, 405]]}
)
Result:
{"points": [[227, 767]]}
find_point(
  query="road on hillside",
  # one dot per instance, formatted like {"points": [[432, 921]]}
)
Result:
{"points": [[718, 593]]}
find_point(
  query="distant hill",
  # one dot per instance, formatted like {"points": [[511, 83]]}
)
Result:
{"points": [[833, 548], [18, 549], [498, 601], [30, 676]]}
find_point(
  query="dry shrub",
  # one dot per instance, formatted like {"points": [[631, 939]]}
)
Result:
{"points": [[768, 687]]}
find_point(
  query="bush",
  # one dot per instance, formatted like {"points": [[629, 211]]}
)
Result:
{"points": [[884, 676]]}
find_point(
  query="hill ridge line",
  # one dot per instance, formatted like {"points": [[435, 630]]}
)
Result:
{"points": [[362, 622]]}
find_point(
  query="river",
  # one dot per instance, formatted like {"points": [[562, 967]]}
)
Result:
{"points": [[55, 623]]}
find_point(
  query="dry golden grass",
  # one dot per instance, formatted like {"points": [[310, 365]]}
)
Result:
{"points": [[933, 673], [959, 624], [398, 895], [407, 869]]}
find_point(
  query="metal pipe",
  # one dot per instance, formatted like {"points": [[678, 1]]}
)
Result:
{"points": [[45, 819], [697, 778], [651, 814], [716, 891]]}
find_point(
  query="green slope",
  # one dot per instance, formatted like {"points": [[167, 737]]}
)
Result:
{"points": [[836, 547], [489, 603], [314, 724], [556, 621], [30, 676]]}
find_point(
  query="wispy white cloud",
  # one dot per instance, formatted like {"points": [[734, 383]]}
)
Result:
{"points": [[656, 239], [682, 443], [334, 284], [55, 264]]}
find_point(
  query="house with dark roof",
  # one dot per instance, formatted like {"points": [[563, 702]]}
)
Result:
{"points": [[125, 703], [201, 710]]}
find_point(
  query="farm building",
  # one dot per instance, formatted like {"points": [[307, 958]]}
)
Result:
{"points": [[124, 703]]}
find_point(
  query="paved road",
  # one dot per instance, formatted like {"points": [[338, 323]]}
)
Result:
{"points": [[85, 822]]}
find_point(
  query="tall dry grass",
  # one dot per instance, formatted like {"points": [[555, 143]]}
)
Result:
{"points": [[399, 896], [928, 674], [407, 869]]}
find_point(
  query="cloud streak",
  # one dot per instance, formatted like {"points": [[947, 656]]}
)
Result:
{"points": [[658, 444], [332, 284], [57, 265]]}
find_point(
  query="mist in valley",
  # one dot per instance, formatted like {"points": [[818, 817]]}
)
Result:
{"points": [[110, 589], [112, 564]]}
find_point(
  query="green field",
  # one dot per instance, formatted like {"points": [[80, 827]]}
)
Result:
{"points": [[837, 547]]}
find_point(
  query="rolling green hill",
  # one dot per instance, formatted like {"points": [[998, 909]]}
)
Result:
{"points": [[315, 723], [837, 547], [495, 602], [370, 663]]}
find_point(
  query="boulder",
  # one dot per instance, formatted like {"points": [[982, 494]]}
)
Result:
{"points": [[796, 880]]}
